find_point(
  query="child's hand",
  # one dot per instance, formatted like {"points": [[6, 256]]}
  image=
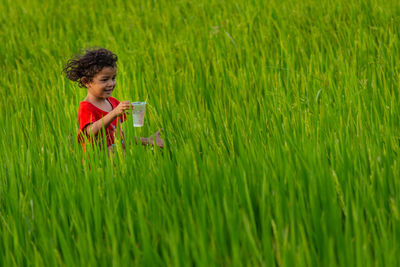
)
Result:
{"points": [[122, 107]]}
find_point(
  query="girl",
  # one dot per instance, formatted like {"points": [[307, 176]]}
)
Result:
{"points": [[96, 71]]}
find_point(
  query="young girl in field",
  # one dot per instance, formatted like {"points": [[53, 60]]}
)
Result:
{"points": [[96, 71]]}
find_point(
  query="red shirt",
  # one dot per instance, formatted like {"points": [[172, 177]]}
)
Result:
{"points": [[89, 113]]}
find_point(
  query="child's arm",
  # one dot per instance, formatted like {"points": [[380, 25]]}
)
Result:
{"points": [[145, 141], [150, 141], [95, 127]]}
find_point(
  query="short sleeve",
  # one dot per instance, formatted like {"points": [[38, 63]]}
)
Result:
{"points": [[86, 116]]}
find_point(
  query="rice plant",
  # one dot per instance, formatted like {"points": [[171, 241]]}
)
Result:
{"points": [[281, 130]]}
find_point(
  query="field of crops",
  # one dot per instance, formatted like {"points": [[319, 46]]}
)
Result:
{"points": [[281, 128]]}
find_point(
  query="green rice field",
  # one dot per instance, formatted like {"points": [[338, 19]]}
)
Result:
{"points": [[281, 129]]}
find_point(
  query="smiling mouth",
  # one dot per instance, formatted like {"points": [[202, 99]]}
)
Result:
{"points": [[108, 91]]}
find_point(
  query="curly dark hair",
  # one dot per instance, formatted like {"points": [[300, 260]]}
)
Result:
{"points": [[89, 64]]}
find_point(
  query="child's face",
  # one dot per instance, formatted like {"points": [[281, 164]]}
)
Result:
{"points": [[103, 83]]}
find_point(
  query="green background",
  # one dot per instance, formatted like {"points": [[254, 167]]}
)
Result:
{"points": [[281, 129]]}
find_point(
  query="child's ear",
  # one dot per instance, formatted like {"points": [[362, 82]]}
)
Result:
{"points": [[84, 81]]}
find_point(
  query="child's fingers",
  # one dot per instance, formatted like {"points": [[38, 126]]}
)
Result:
{"points": [[126, 105]]}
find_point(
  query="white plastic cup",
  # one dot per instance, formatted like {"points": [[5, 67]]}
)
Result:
{"points": [[138, 113]]}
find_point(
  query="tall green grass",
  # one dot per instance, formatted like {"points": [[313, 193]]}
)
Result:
{"points": [[281, 129]]}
